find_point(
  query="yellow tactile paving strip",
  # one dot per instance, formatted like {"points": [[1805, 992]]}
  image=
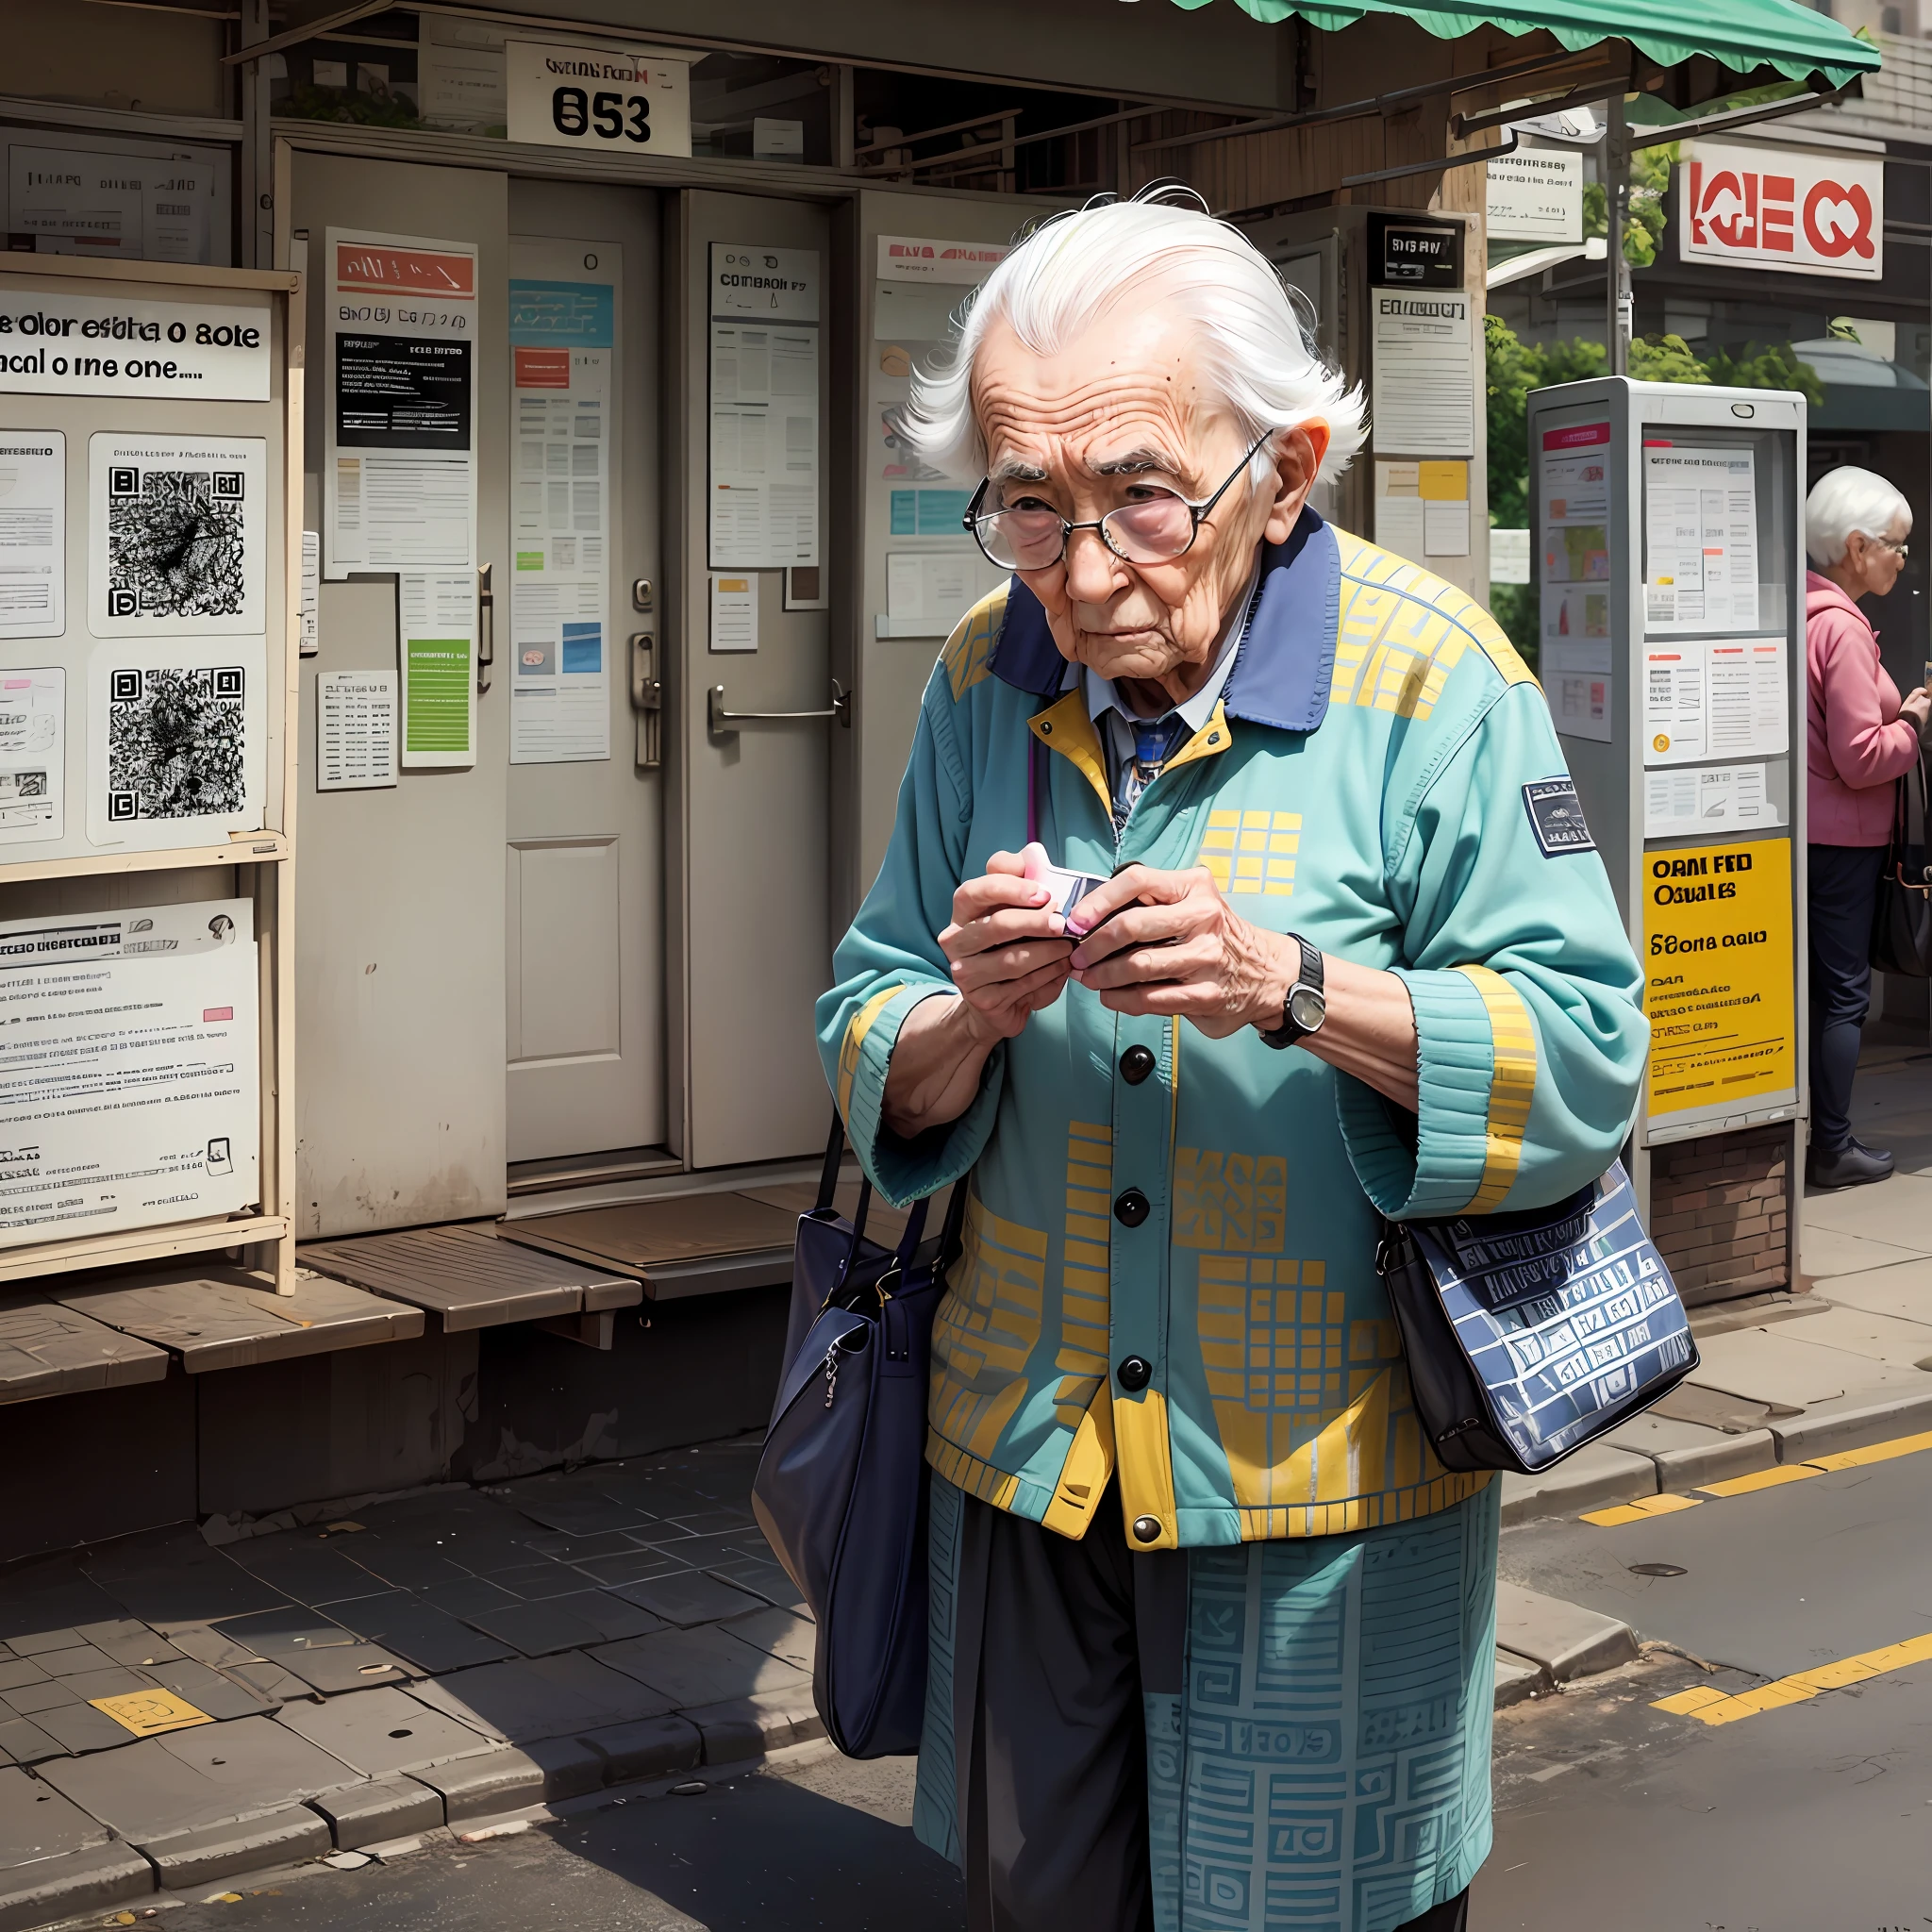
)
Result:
{"points": [[1705, 1702]]}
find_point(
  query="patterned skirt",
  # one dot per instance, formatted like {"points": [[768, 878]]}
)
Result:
{"points": [[1324, 1765]]}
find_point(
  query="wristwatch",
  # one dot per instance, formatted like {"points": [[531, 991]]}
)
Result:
{"points": [[1307, 1005]]}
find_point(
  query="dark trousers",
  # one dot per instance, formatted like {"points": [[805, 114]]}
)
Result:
{"points": [[1050, 1676], [1841, 897]]}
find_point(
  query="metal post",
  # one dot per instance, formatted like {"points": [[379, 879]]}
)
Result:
{"points": [[1618, 301], [255, 231]]}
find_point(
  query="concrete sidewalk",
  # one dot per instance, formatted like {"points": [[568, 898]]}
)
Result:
{"points": [[176, 1711]]}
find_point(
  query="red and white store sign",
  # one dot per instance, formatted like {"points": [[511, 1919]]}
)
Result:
{"points": [[1807, 214]]}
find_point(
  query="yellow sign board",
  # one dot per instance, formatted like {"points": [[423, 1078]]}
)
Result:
{"points": [[1720, 974]]}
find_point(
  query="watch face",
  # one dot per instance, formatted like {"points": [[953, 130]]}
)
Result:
{"points": [[1307, 1007]]}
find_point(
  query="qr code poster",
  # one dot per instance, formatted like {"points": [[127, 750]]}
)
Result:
{"points": [[175, 743], [177, 539]]}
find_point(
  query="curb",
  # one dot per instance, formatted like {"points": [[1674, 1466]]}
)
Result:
{"points": [[1586, 1480]]}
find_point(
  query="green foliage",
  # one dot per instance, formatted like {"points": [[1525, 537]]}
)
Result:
{"points": [[1773, 368], [1650, 187], [340, 104], [1510, 606], [1666, 358]]}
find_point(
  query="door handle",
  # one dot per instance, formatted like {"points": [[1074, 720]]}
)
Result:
{"points": [[486, 627], [725, 724], [647, 699]]}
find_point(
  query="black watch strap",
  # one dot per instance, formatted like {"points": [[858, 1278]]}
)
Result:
{"points": [[1311, 976]]}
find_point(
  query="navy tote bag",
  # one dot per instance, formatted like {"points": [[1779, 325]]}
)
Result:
{"points": [[841, 1486]]}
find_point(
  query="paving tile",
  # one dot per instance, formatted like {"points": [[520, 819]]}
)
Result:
{"points": [[701, 1667], [404, 1624], [567, 1623], [766, 1580], [342, 1667], [714, 1521], [16, 1671], [1903, 1344], [1904, 1291], [81, 1727], [688, 1598], [37, 1822], [22, 1743], [793, 1638], [652, 1748], [578, 1513], [468, 1596], [287, 1631], [309, 1569], [271, 1681], [663, 1533], [1563, 1638], [641, 1567], [206, 1689], [48, 1694], [587, 1549], [188, 1780], [283, 1837], [208, 1644], [1767, 1365], [115, 1681], [77, 1663], [371, 1814], [381, 1733], [505, 1780], [128, 1642], [45, 1642], [41, 1604], [542, 1697], [203, 1588], [533, 1582], [1825, 1252], [403, 1566]]}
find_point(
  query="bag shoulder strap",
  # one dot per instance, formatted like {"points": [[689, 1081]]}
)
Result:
{"points": [[828, 1173]]}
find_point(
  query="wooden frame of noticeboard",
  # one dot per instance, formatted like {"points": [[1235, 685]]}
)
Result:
{"points": [[258, 859]]}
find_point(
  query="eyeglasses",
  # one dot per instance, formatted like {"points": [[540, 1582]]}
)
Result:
{"points": [[1154, 531], [1901, 551]]}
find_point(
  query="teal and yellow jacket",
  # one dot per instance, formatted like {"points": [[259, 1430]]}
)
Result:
{"points": [[1381, 775]]}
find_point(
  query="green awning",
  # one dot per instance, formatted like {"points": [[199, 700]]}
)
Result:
{"points": [[1740, 34]]}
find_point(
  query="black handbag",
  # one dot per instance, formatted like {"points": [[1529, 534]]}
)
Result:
{"points": [[842, 1485], [1902, 918], [1531, 1333]]}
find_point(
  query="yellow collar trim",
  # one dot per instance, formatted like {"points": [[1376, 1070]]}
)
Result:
{"points": [[1208, 742], [1065, 727]]}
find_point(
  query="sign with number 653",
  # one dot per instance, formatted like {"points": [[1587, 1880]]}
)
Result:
{"points": [[610, 100]]}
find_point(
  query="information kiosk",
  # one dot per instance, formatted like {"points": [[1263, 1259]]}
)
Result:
{"points": [[150, 420], [1668, 567]]}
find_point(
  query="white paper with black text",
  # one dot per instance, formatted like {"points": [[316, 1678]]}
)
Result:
{"points": [[33, 755], [128, 1046], [33, 533]]}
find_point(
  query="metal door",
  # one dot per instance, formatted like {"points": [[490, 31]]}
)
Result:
{"points": [[400, 901], [584, 876], [750, 902]]}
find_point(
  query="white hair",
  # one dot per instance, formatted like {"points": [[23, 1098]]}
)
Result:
{"points": [[1845, 500], [1256, 350]]}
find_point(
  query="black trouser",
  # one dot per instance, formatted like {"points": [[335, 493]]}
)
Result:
{"points": [[1050, 1677], [1841, 897]]}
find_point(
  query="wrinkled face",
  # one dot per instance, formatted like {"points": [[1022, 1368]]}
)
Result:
{"points": [[1120, 411], [1874, 564]]}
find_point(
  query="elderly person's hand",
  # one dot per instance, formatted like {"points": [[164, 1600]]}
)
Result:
{"points": [[1917, 706], [1008, 954], [1172, 944]]}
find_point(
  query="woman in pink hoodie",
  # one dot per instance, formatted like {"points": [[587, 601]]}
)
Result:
{"points": [[1861, 738]]}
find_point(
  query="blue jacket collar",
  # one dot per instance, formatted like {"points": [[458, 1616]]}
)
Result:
{"points": [[1281, 676]]}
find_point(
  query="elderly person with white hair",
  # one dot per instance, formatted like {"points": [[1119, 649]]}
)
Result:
{"points": [[1859, 739], [1212, 1628]]}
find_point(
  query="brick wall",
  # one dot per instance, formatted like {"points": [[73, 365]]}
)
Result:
{"points": [[1718, 1212]]}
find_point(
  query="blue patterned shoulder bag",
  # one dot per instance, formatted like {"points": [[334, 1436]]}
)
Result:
{"points": [[1532, 1333]]}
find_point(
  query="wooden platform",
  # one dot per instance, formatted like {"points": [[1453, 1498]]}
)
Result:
{"points": [[689, 1244], [224, 1319], [49, 1350], [471, 1280]]}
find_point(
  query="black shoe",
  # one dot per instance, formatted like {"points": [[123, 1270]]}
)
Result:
{"points": [[1850, 1166]]}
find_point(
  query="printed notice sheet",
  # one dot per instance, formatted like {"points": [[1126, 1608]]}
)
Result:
{"points": [[33, 534], [764, 407], [1714, 698], [734, 613], [1700, 539], [1572, 482], [1423, 402], [33, 762], [564, 350], [310, 642], [1694, 798], [129, 1093], [438, 626], [399, 476], [354, 730]]}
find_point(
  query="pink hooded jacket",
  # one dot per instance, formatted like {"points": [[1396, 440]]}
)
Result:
{"points": [[1856, 741]]}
